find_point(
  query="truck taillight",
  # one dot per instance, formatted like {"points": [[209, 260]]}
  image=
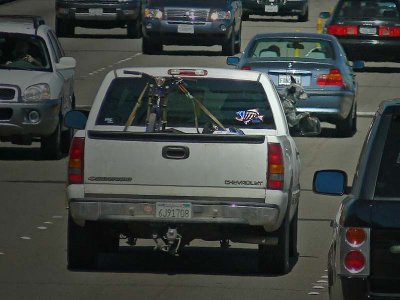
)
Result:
{"points": [[275, 173], [389, 31], [341, 30], [76, 159], [334, 77], [355, 251]]}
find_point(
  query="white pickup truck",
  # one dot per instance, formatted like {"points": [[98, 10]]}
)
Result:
{"points": [[191, 179]]}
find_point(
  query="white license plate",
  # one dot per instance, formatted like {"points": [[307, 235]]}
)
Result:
{"points": [[285, 79], [367, 30], [95, 11], [174, 210], [271, 8], [184, 28]]}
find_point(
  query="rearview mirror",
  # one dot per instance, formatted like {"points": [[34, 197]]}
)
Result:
{"points": [[232, 60], [295, 45], [66, 63], [75, 119], [325, 15], [358, 65], [330, 182]]}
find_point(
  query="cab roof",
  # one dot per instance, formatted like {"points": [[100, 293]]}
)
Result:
{"points": [[23, 24]]}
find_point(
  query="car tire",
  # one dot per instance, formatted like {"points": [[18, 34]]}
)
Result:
{"points": [[275, 259], [293, 234], [245, 16], [82, 245], [238, 42], [345, 128], [303, 17], [64, 28], [228, 48], [51, 145], [134, 29], [149, 47]]}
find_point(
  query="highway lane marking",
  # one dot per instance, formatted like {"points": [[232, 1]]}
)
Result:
{"points": [[47, 222], [57, 217], [25, 238], [313, 293], [2, 253], [318, 287], [42, 227]]}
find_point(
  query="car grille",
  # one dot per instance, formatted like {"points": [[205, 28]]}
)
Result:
{"points": [[7, 94], [186, 14], [5, 114], [385, 265], [82, 10]]}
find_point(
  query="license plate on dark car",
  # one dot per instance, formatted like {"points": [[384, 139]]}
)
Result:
{"points": [[367, 30]]}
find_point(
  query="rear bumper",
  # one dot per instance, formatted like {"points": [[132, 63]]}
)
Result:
{"points": [[205, 33], [132, 210], [290, 8]]}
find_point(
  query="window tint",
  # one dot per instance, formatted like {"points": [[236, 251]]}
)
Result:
{"points": [[292, 48], [367, 9], [388, 182], [238, 103]]}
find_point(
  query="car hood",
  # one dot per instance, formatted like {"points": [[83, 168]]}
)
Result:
{"points": [[23, 78]]}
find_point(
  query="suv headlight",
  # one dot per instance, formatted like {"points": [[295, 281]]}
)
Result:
{"points": [[37, 92], [220, 15], [153, 13]]}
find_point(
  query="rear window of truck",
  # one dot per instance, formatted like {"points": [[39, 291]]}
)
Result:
{"points": [[237, 103]]}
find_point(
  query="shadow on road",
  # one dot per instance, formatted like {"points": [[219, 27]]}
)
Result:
{"points": [[193, 260], [385, 70], [21, 153]]}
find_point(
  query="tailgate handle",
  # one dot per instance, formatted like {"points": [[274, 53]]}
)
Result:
{"points": [[175, 152]]}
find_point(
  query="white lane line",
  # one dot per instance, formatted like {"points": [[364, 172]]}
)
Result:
{"points": [[322, 281], [25, 238], [57, 217], [42, 227], [2, 253], [47, 222], [324, 276], [313, 293], [318, 287]]}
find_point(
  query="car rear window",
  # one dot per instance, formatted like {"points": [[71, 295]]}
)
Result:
{"points": [[291, 48], [388, 182], [237, 103], [367, 9]]}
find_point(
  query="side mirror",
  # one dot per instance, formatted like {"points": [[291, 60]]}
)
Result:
{"points": [[330, 182], [75, 119], [232, 60], [325, 15], [358, 65], [66, 63]]}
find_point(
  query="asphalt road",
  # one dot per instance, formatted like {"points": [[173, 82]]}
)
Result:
{"points": [[32, 193]]}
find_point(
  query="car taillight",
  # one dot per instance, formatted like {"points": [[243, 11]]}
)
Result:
{"points": [[275, 173], [334, 77], [354, 261], [355, 236], [246, 68], [342, 30], [389, 31], [76, 159]]}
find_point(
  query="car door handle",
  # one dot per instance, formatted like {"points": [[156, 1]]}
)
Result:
{"points": [[175, 152]]}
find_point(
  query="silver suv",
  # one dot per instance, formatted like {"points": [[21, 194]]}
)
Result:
{"points": [[36, 85]]}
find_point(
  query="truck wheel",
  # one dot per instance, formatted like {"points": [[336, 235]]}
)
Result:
{"points": [[134, 29], [82, 245], [64, 28], [293, 235], [245, 16], [149, 47], [238, 41], [50, 146], [275, 259], [229, 47], [345, 128], [303, 17]]}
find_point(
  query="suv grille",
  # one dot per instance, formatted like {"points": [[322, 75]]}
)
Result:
{"points": [[186, 14], [7, 94]]}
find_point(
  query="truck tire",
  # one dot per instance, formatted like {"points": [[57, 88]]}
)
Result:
{"points": [[228, 48], [238, 42], [134, 29], [82, 245], [303, 17], [148, 47], [245, 16], [293, 235], [64, 28], [275, 259], [50, 146]]}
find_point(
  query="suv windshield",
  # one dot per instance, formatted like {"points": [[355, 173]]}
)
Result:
{"points": [[23, 52], [238, 103], [367, 9]]}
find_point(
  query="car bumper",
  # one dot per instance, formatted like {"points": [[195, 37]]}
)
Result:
{"points": [[98, 11], [205, 33], [290, 8], [372, 49], [14, 120]]}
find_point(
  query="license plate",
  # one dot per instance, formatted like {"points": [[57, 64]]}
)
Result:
{"points": [[271, 8], [367, 30], [184, 28], [174, 210], [285, 79], [95, 11]]}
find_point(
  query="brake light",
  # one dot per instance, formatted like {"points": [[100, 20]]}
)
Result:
{"points": [[247, 68], [187, 72], [355, 236], [354, 261], [342, 30], [76, 159], [275, 174], [389, 31], [333, 78]]}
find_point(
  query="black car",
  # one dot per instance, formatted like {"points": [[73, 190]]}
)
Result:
{"points": [[98, 14], [297, 8], [364, 257], [195, 22], [367, 29]]}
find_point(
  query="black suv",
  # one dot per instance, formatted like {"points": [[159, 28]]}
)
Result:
{"points": [[195, 22], [98, 14]]}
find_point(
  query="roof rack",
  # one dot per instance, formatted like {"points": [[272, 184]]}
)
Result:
{"points": [[36, 20]]}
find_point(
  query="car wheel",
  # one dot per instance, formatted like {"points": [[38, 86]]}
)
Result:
{"points": [[82, 245], [51, 145], [354, 127], [293, 235], [275, 259], [64, 28], [238, 41], [229, 47], [148, 47], [303, 17], [134, 29], [245, 16], [345, 128]]}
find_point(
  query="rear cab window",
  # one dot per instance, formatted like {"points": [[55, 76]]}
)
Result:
{"points": [[235, 103], [366, 9]]}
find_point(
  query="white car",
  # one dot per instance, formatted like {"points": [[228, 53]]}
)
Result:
{"points": [[36, 85]]}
